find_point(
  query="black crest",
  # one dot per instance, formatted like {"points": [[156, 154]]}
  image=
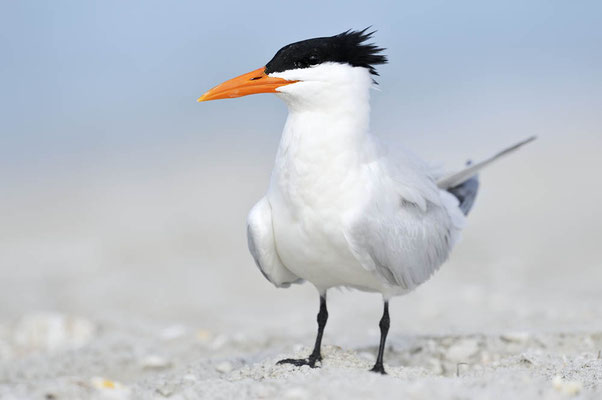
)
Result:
{"points": [[348, 47]]}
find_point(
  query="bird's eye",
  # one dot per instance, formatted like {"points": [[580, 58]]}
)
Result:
{"points": [[313, 60], [300, 64]]}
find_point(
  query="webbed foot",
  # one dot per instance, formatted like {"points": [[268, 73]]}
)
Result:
{"points": [[299, 362], [379, 368]]}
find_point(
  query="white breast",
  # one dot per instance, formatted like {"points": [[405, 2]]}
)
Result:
{"points": [[318, 179]]}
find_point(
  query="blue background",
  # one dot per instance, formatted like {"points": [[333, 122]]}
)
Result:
{"points": [[92, 85]]}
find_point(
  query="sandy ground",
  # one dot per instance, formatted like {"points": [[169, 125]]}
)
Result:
{"points": [[136, 285]]}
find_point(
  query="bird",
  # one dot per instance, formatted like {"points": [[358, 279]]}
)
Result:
{"points": [[342, 208]]}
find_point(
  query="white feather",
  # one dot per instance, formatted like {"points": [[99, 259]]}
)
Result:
{"points": [[262, 246], [341, 209], [345, 212]]}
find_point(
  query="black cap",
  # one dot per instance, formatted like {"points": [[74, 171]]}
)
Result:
{"points": [[346, 48]]}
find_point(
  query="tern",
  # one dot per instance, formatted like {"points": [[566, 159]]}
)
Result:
{"points": [[342, 209]]}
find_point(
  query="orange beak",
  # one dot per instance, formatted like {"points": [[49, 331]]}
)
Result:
{"points": [[250, 83]]}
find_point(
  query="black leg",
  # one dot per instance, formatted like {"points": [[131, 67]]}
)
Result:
{"points": [[384, 329], [315, 355]]}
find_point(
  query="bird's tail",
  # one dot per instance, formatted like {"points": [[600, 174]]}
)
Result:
{"points": [[455, 179], [464, 184], [466, 192]]}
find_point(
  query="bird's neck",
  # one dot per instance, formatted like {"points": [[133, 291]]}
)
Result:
{"points": [[329, 125], [322, 150]]}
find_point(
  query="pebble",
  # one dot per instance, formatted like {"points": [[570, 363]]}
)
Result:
{"points": [[516, 337], [204, 335], [103, 383], [526, 360], [224, 367], [190, 378], [173, 332], [296, 393], [154, 362], [570, 388], [52, 331], [110, 389], [166, 389]]}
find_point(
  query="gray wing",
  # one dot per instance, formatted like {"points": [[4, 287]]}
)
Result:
{"points": [[407, 245], [406, 226]]}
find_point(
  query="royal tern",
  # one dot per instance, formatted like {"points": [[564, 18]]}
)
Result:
{"points": [[341, 209]]}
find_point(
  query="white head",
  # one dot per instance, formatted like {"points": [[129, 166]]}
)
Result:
{"points": [[324, 85], [312, 74]]}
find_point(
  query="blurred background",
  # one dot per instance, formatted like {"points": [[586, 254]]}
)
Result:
{"points": [[121, 197]]}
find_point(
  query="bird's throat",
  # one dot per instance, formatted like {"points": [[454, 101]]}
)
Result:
{"points": [[321, 155]]}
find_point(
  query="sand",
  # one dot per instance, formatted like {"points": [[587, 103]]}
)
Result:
{"points": [[51, 356], [118, 286]]}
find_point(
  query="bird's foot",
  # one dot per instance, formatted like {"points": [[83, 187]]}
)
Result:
{"points": [[299, 362], [379, 368]]}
